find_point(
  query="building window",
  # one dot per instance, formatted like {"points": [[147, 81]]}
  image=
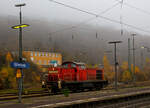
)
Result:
{"points": [[31, 53], [53, 55], [35, 53], [32, 58], [45, 62], [49, 62], [39, 54], [59, 62], [56, 55], [35, 61], [39, 61], [43, 54]]}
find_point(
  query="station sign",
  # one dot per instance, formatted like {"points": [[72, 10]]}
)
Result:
{"points": [[20, 65], [53, 62]]}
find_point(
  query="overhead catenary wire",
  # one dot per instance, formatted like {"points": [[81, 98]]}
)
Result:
{"points": [[100, 16], [86, 21], [136, 8]]}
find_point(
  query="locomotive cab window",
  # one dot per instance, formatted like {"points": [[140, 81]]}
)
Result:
{"points": [[73, 65], [82, 66], [65, 65]]}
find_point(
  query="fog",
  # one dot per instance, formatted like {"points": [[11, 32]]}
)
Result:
{"points": [[53, 26], [50, 11]]}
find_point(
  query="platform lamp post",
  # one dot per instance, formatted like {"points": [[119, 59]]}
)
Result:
{"points": [[134, 78], [142, 47], [116, 63], [142, 55], [20, 26]]}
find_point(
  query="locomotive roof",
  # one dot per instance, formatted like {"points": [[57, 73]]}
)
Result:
{"points": [[77, 63]]}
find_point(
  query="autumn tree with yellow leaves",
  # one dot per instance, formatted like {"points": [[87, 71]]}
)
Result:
{"points": [[7, 74], [108, 70], [146, 70], [126, 75], [9, 58]]}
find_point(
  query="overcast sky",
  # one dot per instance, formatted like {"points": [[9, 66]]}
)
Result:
{"points": [[49, 11]]}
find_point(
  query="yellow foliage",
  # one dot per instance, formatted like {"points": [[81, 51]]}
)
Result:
{"points": [[108, 69], [4, 73], [126, 76], [9, 57], [147, 61], [7, 73], [124, 66], [27, 56], [38, 78], [96, 66], [89, 66], [35, 77], [137, 70], [13, 82]]}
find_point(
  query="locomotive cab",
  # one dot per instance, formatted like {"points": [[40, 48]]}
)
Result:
{"points": [[53, 74]]}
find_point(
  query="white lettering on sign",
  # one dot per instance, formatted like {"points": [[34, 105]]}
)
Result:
{"points": [[19, 65]]}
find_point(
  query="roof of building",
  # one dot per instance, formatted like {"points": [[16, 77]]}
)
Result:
{"points": [[77, 63], [41, 51]]}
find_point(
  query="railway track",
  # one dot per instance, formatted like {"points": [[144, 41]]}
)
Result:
{"points": [[5, 97], [130, 103], [11, 96], [128, 100], [15, 94], [92, 99]]}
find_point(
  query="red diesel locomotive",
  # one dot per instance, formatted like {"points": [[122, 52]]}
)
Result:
{"points": [[74, 76]]}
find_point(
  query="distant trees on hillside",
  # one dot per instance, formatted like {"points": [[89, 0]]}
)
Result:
{"points": [[124, 75]]}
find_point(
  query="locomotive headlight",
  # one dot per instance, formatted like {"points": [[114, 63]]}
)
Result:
{"points": [[43, 83]]}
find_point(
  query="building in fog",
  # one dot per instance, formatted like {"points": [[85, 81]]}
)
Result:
{"points": [[44, 59]]}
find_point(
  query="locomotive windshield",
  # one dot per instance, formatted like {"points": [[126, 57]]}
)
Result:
{"points": [[74, 65], [82, 67]]}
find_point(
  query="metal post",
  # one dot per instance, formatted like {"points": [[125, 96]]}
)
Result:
{"points": [[20, 56], [116, 73], [129, 58], [20, 52], [142, 60], [116, 63], [20, 76], [133, 60]]}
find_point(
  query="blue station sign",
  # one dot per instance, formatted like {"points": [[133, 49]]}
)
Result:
{"points": [[20, 65]]}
